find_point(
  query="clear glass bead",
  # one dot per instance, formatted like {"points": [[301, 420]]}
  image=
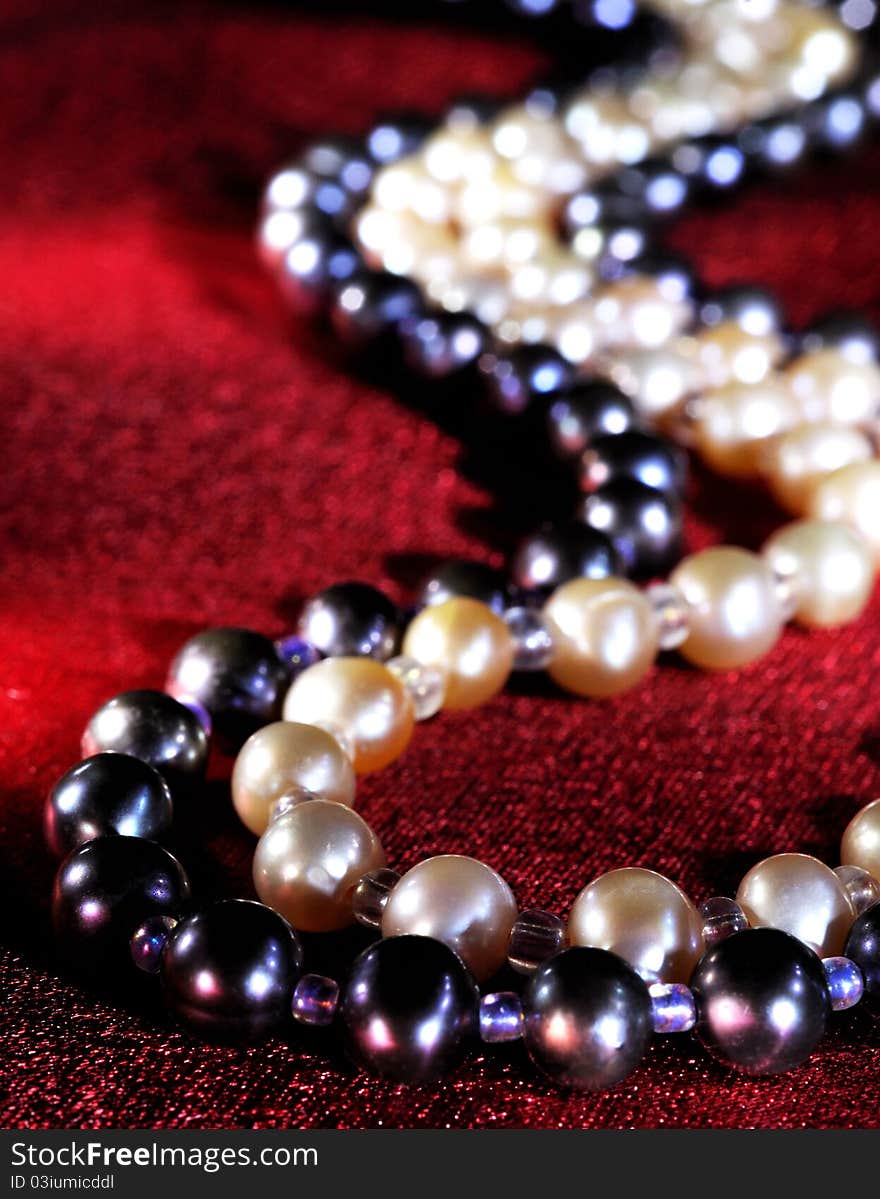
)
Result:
{"points": [[670, 613], [425, 685], [536, 935], [722, 917], [295, 795], [371, 895], [148, 942], [501, 1017], [296, 653], [339, 735], [674, 1007], [532, 637], [862, 889], [846, 986], [315, 999]]}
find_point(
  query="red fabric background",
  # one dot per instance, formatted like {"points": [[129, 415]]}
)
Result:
{"points": [[177, 453]]}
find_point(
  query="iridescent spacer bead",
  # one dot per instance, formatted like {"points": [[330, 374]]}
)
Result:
{"points": [[148, 942], [315, 1000], [671, 614], [501, 1017], [290, 799], [722, 917], [425, 685], [296, 653], [846, 985], [532, 639], [371, 895], [536, 936], [674, 1007], [862, 889]]}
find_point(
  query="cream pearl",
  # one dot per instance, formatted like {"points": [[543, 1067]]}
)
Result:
{"points": [[281, 757], [728, 354], [363, 699], [459, 901], [734, 422], [637, 312], [830, 567], [473, 646], [861, 841], [852, 495], [798, 460], [657, 381], [829, 387], [734, 612], [644, 918], [308, 863], [800, 895], [604, 633]]}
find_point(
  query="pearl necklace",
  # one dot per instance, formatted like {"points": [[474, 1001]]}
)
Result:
{"points": [[468, 217]]}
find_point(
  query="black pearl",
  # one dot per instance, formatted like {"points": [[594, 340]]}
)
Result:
{"points": [[762, 1000], [105, 890], [105, 795], [643, 524], [621, 243], [228, 972], [716, 164], [441, 344], [863, 947], [557, 553], [754, 309], [343, 161], [588, 1018], [152, 726], [236, 675], [396, 135], [515, 378], [674, 274], [319, 260], [854, 335], [351, 619], [657, 185], [585, 411], [652, 460], [774, 145], [371, 305], [836, 123], [475, 580], [409, 1006]]}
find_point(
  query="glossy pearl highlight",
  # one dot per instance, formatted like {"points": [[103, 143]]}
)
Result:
{"points": [[604, 634], [106, 794], [308, 863], [762, 1001], [281, 757], [409, 1009], [644, 918], [365, 700], [470, 642], [861, 840], [458, 901], [228, 972], [800, 895], [734, 611], [588, 1019]]}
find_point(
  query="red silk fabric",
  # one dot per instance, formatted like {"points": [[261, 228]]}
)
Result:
{"points": [[178, 453]]}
